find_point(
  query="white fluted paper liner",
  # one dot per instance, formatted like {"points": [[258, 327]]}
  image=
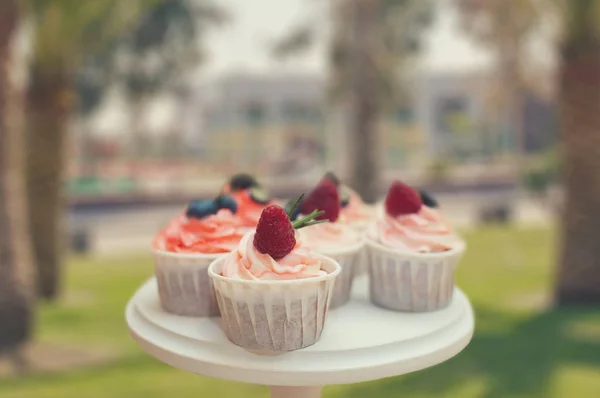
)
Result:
{"points": [[361, 266], [184, 287], [348, 258], [412, 282], [272, 317]]}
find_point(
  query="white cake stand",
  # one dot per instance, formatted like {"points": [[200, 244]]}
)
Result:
{"points": [[360, 342]]}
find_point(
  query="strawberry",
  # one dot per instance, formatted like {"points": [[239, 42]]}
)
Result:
{"points": [[275, 233], [324, 197], [402, 199]]}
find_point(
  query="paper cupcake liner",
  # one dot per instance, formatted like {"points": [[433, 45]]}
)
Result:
{"points": [[361, 267], [348, 259], [272, 317], [184, 286], [362, 263], [412, 282]]}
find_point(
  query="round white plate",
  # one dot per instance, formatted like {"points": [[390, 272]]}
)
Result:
{"points": [[360, 342]]}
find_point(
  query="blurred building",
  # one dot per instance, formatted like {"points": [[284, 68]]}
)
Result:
{"points": [[281, 123], [273, 122]]}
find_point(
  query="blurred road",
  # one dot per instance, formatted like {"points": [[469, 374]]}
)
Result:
{"points": [[132, 229]]}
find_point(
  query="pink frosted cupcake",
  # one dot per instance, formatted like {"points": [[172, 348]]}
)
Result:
{"points": [[251, 198], [354, 212], [332, 238], [184, 249], [413, 253], [272, 290]]}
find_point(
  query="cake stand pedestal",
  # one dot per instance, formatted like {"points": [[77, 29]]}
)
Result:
{"points": [[360, 342]]}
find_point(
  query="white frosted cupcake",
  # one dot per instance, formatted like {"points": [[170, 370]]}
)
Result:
{"points": [[333, 238], [184, 249], [273, 291], [413, 253]]}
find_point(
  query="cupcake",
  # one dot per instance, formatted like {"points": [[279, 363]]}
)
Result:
{"points": [[250, 196], [184, 249], [354, 213], [413, 253], [332, 238], [272, 290]]}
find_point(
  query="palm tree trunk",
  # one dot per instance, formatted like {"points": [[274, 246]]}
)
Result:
{"points": [[139, 145], [365, 102], [48, 104], [16, 313], [579, 269]]}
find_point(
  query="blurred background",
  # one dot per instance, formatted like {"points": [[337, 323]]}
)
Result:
{"points": [[114, 114]]}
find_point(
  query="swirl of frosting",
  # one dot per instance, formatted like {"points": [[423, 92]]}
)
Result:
{"points": [[356, 210], [423, 232], [247, 263], [329, 236], [218, 233]]}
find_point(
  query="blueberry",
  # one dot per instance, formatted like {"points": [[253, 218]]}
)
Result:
{"points": [[428, 200], [333, 178], [226, 202], [201, 208], [288, 207], [242, 181], [259, 195], [344, 197]]}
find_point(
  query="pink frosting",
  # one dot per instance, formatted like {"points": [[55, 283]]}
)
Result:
{"points": [[356, 211], [248, 210], [329, 236], [218, 233], [424, 232], [247, 263]]}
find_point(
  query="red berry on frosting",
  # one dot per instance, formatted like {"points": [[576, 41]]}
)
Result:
{"points": [[402, 199], [275, 234], [324, 197]]}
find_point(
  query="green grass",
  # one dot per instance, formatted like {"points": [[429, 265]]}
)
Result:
{"points": [[519, 349]]}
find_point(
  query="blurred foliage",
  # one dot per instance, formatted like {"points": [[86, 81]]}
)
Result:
{"points": [[543, 171], [580, 18], [155, 50], [66, 31], [398, 36], [505, 27]]}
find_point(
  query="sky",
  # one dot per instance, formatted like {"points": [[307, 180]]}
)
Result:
{"points": [[243, 45]]}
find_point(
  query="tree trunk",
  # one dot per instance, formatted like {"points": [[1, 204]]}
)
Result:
{"points": [[365, 106], [139, 144], [579, 270], [16, 313], [48, 105]]}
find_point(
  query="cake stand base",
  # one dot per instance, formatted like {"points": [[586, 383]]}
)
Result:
{"points": [[295, 392]]}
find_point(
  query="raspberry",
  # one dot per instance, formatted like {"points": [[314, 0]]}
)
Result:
{"points": [[275, 234], [402, 199], [324, 197]]}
